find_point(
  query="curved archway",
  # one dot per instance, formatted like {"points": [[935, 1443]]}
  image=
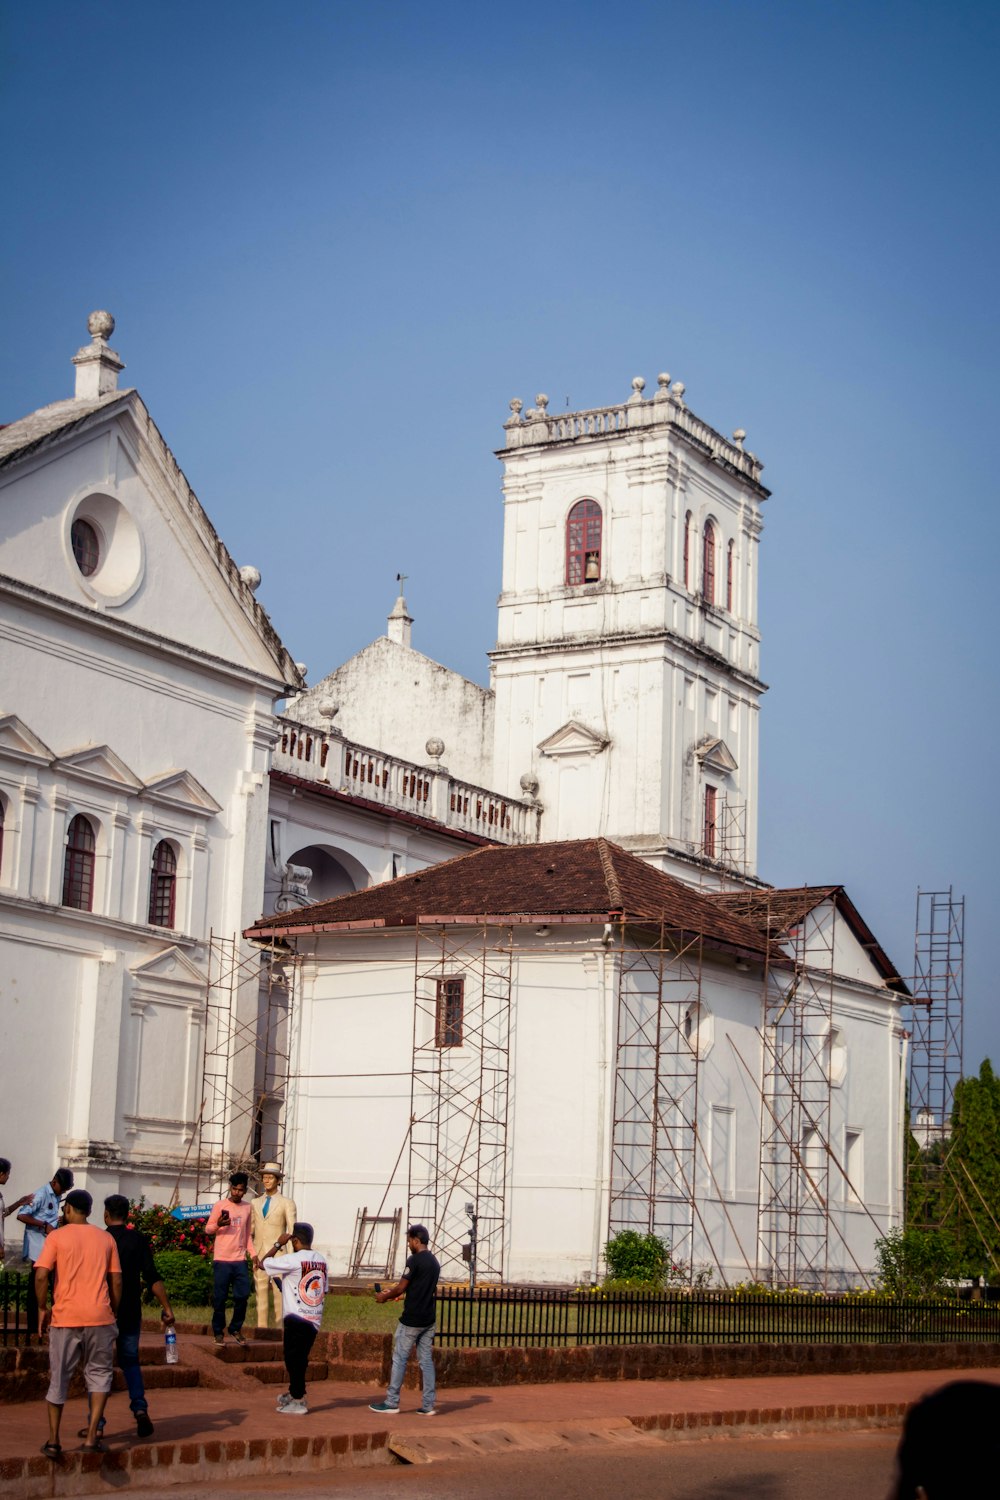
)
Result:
{"points": [[334, 873]]}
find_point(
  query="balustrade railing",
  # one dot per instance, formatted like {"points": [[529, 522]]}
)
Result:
{"points": [[316, 755], [539, 426]]}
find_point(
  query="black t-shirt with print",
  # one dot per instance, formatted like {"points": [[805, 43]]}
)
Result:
{"points": [[422, 1272]]}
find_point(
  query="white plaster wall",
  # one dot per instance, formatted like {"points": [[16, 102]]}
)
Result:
{"points": [[394, 699]]}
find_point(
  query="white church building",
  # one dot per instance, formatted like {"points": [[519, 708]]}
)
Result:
{"points": [[510, 965]]}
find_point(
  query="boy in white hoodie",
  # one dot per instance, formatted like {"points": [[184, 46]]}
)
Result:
{"points": [[303, 1289]]}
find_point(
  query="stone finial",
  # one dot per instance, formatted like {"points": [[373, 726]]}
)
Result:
{"points": [[251, 577], [662, 386], [738, 437], [529, 784], [541, 402], [328, 710], [677, 391], [97, 366], [302, 669], [400, 620], [435, 747], [638, 386], [515, 419]]}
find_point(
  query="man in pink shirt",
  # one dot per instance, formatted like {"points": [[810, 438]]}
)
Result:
{"points": [[229, 1226], [88, 1286]]}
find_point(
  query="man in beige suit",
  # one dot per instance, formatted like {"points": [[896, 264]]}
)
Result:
{"points": [[273, 1219]]}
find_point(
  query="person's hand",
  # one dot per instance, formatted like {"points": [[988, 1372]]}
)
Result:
{"points": [[44, 1321], [381, 1296], [167, 1317], [255, 1262], [20, 1203]]}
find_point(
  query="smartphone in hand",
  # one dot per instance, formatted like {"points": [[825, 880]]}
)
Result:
{"points": [[378, 1287], [224, 1219]]}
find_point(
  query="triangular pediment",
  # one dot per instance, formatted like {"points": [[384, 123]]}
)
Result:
{"points": [[170, 968], [99, 763], [20, 743], [181, 789], [716, 755], [574, 738]]}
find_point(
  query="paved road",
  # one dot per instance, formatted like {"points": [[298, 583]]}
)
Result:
{"points": [[824, 1466]]}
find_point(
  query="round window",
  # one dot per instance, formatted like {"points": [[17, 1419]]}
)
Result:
{"points": [[86, 547]]}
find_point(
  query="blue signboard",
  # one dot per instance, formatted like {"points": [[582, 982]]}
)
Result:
{"points": [[191, 1211]]}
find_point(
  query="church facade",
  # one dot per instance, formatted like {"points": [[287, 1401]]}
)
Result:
{"points": [[153, 800]]}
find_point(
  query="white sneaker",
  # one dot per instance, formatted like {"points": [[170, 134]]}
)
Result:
{"points": [[294, 1409], [284, 1399]]}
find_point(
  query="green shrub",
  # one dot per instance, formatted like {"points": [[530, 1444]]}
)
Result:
{"points": [[164, 1231], [187, 1278], [637, 1260], [914, 1262]]}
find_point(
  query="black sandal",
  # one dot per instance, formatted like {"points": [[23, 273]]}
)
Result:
{"points": [[84, 1431], [53, 1451], [97, 1447]]}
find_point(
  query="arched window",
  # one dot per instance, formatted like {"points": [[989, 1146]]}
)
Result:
{"points": [[710, 824], [78, 871], [729, 576], [583, 543], [708, 564], [86, 547], [163, 886], [687, 550], [3, 808]]}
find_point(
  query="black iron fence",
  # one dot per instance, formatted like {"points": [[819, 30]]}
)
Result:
{"points": [[492, 1317], [13, 1303]]}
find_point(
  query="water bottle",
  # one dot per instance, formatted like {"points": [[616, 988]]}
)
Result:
{"points": [[170, 1340]]}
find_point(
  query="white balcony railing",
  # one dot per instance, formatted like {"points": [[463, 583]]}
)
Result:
{"points": [[429, 791]]}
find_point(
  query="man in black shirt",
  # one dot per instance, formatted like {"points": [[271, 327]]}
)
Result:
{"points": [[138, 1266], [415, 1329]]}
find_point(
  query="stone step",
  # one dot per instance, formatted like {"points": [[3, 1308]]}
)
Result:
{"points": [[275, 1374], [250, 1352]]}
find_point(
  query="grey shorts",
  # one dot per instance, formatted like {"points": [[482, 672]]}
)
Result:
{"points": [[67, 1347]]}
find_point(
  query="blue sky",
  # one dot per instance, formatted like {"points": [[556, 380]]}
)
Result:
{"points": [[339, 238]]}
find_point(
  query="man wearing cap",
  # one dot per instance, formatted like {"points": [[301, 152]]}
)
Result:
{"points": [[272, 1225], [415, 1329]]}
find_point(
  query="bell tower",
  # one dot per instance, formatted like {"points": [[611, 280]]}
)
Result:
{"points": [[627, 656]]}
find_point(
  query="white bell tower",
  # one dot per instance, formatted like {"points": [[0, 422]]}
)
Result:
{"points": [[627, 648]]}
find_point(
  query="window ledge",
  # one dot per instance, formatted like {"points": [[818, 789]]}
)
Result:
{"points": [[29, 906]]}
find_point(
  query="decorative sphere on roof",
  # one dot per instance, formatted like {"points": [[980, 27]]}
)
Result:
{"points": [[516, 405], [739, 435], [529, 784], [301, 668], [663, 379], [542, 401], [328, 709], [638, 385], [434, 747], [100, 325], [251, 577]]}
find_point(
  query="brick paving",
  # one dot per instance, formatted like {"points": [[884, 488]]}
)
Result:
{"points": [[235, 1431]]}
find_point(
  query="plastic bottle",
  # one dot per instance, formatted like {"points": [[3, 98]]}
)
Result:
{"points": [[170, 1340]]}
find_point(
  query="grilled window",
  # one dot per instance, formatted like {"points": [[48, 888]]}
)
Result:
{"points": [[163, 886], [729, 577], [86, 547], [711, 821], [583, 543], [708, 564], [78, 871], [450, 1012], [687, 550]]}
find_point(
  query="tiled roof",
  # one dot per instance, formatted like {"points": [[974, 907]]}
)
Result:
{"points": [[587, 878], [38, 425], [775, 912]]}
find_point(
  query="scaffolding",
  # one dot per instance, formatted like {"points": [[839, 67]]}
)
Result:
{"points": [[246, 1058], [654, 1146], [458, 1164], [797, 1034], [936, 1012]]}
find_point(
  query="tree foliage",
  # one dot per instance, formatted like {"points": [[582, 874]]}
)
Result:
{"points": [[639, 1260]]}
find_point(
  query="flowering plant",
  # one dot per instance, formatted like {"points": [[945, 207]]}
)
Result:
{"points": [[164, 1231]]}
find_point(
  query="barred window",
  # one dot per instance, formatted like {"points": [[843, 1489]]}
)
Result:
{"points": [[708, 564], [163, 886], [86, 547], [78, 870], [687, 550], [583, 543], [450, 1012], [729, 577], [711, 821]]}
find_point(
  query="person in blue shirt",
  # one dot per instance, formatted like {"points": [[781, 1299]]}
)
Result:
{"points": [[39, 1218]]}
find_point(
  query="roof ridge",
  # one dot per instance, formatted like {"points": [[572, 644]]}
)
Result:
{"points": [[610, 873]]}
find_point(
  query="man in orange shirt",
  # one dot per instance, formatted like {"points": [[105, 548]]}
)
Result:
{"points": [[88, 1285], [229, 1226]]}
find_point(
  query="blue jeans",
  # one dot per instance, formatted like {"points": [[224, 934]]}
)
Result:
{"points": [[404, 1341], [127, 1349], [226, 1274]]}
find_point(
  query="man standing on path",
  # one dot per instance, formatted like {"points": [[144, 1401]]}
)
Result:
{"points": [[88, 1284], [39, 1219], [4, 1210], [136, 1256], [415, 1329], [303, 1288], [273, 1220], [229, 1226]]}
